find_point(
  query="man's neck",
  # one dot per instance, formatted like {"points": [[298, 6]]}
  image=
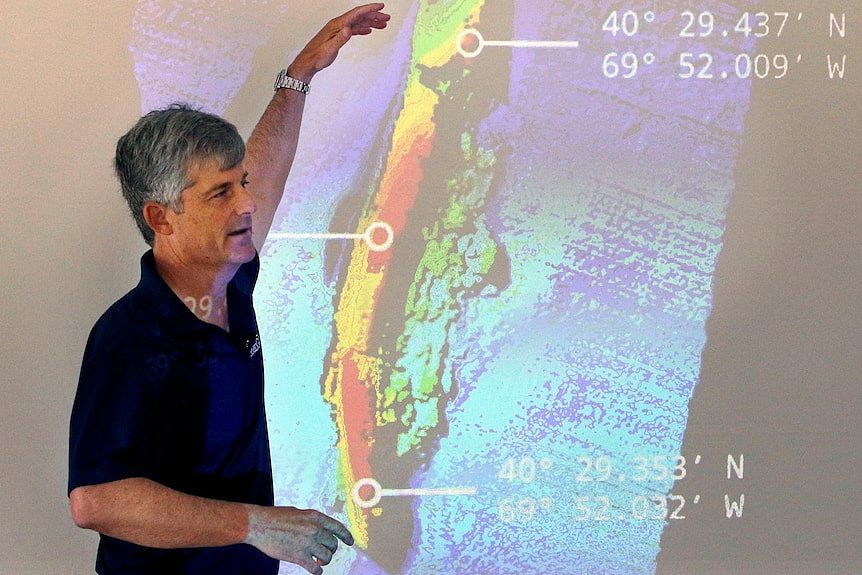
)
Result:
{"points": [[201, 287]]}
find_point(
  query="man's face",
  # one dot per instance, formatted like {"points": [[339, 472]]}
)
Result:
{"points": [[214, 227]]}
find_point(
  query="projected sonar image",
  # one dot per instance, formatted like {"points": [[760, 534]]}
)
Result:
{"points": [[484, 297]]}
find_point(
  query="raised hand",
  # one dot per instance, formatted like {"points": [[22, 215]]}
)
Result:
{"points": [[323, 48]]}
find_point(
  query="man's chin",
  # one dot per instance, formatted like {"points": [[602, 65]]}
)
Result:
{"points": [[239, 256], [244, 256], [242, 248]]}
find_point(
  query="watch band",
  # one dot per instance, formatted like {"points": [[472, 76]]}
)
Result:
{"points": [[285, 81]]}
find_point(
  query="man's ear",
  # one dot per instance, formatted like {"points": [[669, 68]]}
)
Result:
{"points": [[156, 216]]}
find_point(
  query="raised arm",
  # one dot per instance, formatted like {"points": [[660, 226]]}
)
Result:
{"points": [[272, 144], [148, 513]]}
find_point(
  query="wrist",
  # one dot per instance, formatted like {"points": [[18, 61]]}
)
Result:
{"points": [[234, 522], [253, 524], [301, 71], [286, 81]]}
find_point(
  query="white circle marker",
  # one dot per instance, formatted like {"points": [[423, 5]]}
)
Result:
{"points": [[367, 236], [459, 43], [481, 43], [378, 492]]}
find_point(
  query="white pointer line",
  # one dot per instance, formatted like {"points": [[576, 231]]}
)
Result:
{"points": [[378, 492], [533, 43], [481, 43], [426, 491], [314, 236], [368, 237]]}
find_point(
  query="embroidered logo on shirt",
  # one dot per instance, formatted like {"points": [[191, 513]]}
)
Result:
{"points": [[253, 347]]}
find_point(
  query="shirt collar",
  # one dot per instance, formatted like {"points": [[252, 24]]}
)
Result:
{"points": [[171, 313], [175, 317]]}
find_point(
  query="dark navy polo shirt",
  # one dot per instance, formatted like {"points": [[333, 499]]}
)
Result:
{"points": [[165, 396]]}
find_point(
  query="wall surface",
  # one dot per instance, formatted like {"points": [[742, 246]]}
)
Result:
{"points": [[67, 92]]}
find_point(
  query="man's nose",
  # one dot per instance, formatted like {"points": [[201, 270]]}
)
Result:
{"points": [[246, 204]]}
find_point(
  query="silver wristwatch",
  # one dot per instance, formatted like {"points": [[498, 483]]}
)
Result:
{"points": [[285, 81]]}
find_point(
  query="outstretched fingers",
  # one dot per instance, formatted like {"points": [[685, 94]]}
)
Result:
{"points": [[336, 528], [362, 19]]}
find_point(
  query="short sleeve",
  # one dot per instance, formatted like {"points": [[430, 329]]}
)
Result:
{"points": [[117, 428]]}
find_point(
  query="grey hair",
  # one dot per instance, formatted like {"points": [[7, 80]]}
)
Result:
{"points": [[154, 158]]}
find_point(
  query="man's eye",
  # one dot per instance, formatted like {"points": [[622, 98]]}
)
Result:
{"points": [[244, 183], [221, 193]]}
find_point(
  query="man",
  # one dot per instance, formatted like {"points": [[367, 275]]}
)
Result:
{"points": [[169, 457]]}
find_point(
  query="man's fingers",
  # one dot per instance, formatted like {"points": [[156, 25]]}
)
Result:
{"points": [[336, 528], [329, 541], [378, 20], [365, 9], [343, 534], [323, 555], [368, 12]]}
